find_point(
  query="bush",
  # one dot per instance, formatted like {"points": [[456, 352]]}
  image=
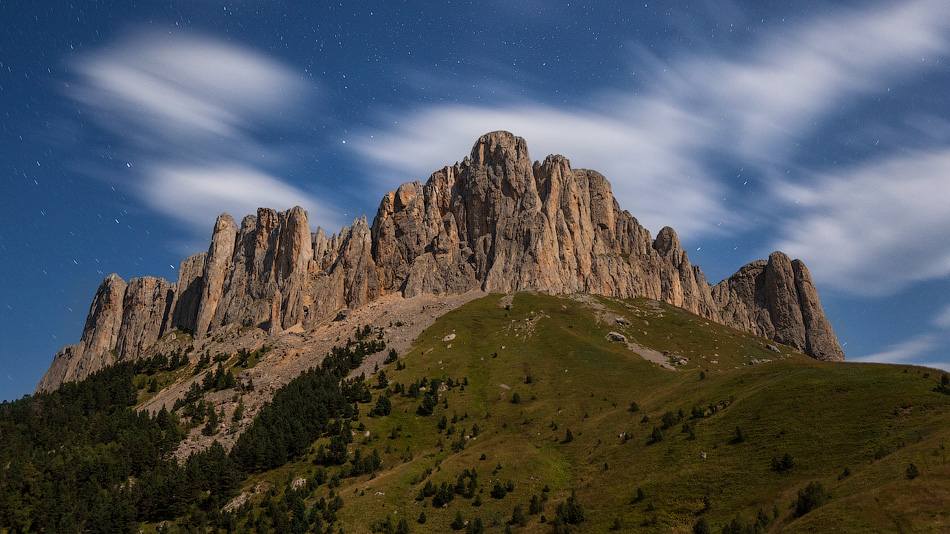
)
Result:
{"points": [[518, 516], [702, 526], [739, 437], [784, 465], [570, 511], [393, 356], [458, 523], [499, 491], [535, 507], [912, 471], [669, 419], [811, 497]]}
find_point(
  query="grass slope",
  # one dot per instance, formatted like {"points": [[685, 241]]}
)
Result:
{"points": [[855, 428]]}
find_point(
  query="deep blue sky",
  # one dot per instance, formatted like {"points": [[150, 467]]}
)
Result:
{"points": [[818, 128]]}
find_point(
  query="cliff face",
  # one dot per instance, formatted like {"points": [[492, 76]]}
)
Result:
{"points": [[495, 221], [777, 299]]}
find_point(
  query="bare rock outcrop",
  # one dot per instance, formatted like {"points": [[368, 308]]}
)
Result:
{"points": [[496, 221], [188, 292], [776, 298], [101, 332], [99, 337], [145, 311], [217, 266]]}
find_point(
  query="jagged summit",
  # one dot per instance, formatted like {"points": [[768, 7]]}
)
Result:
{"points": [[496, 221]]}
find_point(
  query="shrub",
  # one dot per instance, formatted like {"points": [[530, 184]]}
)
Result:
{"points": [[739, 437], [518, 516], [912, 471], [669, 419], [499, 491], [702, 526], [458, 523], [383, 406], [784, 465], [689, 428], [811, 497], [570, 511], [535, 507]]}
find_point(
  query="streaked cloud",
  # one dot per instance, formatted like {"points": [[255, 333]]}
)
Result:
{"points": [[877, 228], [193, 112], [942, 319], [187, 83], [784, 87], [191, 193], [649, 164], [910, 350], [749, 107], [923, 349]]}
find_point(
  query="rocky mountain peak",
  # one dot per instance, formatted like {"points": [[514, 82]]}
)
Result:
{"points": [[500, 148], [496, 221]]}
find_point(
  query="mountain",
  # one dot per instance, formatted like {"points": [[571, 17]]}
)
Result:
{"points": [[496, 221]]}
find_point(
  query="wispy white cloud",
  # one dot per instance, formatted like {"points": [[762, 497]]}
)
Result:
{"points": [[910, 350], [647, 165], [785, 86], [877, 228], [750, 107], [191, 110], [942, 319], [187, 83], [191, 193]]}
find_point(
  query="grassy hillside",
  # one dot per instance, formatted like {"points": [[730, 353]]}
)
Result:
{"points": [[718, 439]]}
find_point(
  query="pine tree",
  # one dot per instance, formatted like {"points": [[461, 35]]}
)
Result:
{"points": [[458, 523], [518, 516], [739, 437], [238, 412], [912, 472], [211, 427], [568, 436], [535, 507]]}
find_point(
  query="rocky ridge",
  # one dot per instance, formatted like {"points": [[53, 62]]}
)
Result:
{"points": [[497, 222]]}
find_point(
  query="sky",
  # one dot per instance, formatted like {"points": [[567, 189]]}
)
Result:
{"points": [[819, 128]]}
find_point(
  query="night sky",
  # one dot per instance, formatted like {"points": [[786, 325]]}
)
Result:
{"points": [[818, 128]]}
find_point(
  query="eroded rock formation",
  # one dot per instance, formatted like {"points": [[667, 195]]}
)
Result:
{"points": [[495, 221]]}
